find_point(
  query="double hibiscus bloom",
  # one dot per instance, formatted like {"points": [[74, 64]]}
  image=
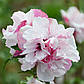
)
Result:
{"points": [[43, 42]]}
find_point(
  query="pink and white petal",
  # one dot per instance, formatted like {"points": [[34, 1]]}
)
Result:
{"points": [[44, 73], [39, 13], [11, 38], [69, 31], [34, 13], [31, 58], [34, 81], [27, 51], [30, 34], [58, 68], [53, 26], [41, 25], [18, 17], [78, 21], [25, 28], [68, 16], [73, 55], [53, 42], [29, 17], [9, 31], [69, 52], [65, 17], [30, 47], [11, 41], [64, 14], [25, 65], [80, 35], [60, 30], [10, 28], [34, 57], [67, 64], [73, 11], [40, 55], [21, 40], [72, 42], [59, 72]]}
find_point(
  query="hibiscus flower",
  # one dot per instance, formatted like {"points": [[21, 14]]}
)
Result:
{"points": [[75, 19]]}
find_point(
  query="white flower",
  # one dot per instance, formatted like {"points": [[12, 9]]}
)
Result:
{"points": [[75, 19], [43, 42]]}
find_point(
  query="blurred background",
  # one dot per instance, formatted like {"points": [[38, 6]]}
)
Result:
{"points": [[10, 72]]}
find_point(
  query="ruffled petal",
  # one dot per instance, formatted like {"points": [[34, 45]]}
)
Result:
{"points": [[25, 65]]}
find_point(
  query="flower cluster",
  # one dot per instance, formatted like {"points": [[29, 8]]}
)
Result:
{"points": [[75, 19], [42, 43]]}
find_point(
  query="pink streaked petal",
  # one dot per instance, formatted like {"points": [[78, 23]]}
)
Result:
{"points": [[40, 55], [21, 40], [66, 20], [17, 53], [61, 36], [53, 25], [18, 17], [23, 23], [68, 64], [31, 58], [39, 13]]}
